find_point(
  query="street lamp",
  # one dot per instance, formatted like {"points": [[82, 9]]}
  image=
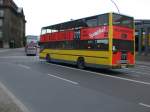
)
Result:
{"points": [[115, 5]]}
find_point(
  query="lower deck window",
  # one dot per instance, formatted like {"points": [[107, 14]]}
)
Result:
{"points": [[101, 44]]}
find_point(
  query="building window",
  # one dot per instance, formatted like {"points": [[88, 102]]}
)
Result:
{"points": [[1, 2], [1, 13], [1, 22]]}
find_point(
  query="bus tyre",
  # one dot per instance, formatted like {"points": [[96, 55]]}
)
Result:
{"points": [[80, 63], [47, 58]]}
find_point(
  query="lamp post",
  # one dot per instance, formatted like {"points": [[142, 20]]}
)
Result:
{"points": [[115, 5]]}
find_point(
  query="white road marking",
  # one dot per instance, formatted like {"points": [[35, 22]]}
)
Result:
{"points": [[63, 79], [4, 50], [143, 63], [105, 75], [24, 66], [145, 105], [147, 70], [13, 57], [129, 71], [142, 66], [141, 73], [20, 57]]}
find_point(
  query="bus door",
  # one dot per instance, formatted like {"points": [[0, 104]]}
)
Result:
{"points": [[77, 38]]}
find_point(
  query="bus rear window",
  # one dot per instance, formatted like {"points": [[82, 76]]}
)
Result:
{"points": [[123, 45], [120, 20]]}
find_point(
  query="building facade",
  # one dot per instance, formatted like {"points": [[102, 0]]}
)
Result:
{"points": [[12, 25], [32, 38], [142, 36]]}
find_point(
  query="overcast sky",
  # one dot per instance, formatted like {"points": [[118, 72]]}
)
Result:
{"points": [[39, 13]]}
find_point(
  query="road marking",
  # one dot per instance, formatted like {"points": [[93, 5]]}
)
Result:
{"points": [[101, 74], [20, 57], [63, 79], [145, 105], [142, 66], [24, 66], [141, 73], [13, 57], [143, 63], [19, 104], [128, 70], [4, 50]]}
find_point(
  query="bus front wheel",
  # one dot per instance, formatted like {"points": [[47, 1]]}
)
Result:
{"points": [[47, 58], [80, 63]]}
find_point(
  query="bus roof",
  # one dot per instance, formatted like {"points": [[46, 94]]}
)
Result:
{"points": [[73, 23]]}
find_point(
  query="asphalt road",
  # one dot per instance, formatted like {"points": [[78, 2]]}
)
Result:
{"points": [[51, 87]]}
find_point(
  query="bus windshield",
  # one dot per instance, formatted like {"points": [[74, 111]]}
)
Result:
{"points": [[120, 20]]}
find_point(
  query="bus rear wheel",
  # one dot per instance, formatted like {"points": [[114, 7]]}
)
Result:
{"points": [[47, 58], [80, 63]]}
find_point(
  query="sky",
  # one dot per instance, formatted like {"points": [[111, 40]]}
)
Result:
{"points": [[40, 13]]}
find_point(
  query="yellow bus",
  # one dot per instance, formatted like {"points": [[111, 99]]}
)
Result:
{"points": [[101, 41]]}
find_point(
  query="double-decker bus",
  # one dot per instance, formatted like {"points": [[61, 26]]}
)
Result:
{"points": [[101, 41]]}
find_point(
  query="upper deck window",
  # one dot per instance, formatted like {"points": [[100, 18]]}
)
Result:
{"points": [[1, 22], [91, 22], [99, 20], [125, 21], [1, 13], [1, 2], [103, 20]]}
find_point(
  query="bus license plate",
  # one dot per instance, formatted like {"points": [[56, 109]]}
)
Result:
{"points": [[123, 66]]}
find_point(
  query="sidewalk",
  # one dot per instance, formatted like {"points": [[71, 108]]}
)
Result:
{"points": [[8, 103], [142, 59]]}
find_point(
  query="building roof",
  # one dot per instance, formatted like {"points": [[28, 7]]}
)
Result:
{"points": [[142, 21]]}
